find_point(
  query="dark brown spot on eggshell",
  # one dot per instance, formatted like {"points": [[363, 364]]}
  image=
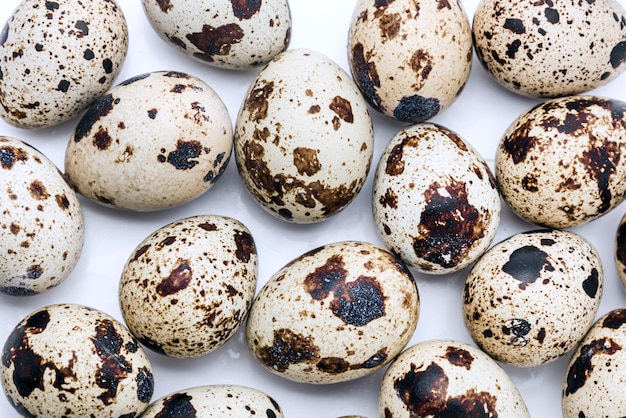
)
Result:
{"points": [[614, 319], [459, 357], [516, 329], [257, 102], [182, 158], [582, 367], [449, 225], [592, 283], [245, 9], [178, 405], [145, 383], [526, 264], [306, 161], [113, 367], [618, 54], [215, 40], [289, 348], [245, 246], [333, 365], [389, 199], [342, 108], [99, 109], [38, 190], [366, 76], [389, 24], [62, 201], [178, 279], [10, 155], [165, 5], [425, 393]]}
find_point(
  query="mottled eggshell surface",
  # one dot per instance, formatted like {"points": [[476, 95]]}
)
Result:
{"points": [[446, 378], [57, 57], [230, 34], [155, 141], [532, 297], [69, 360], [560, 164], [620, 251], [593, 385], [188, 286], [550, 49], [410, 58], [336, 313], [215, 401], [303, 138], [435, 201], [41, 227]]}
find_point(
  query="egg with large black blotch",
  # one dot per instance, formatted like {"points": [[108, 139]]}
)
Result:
{"points": [[334, 314]]}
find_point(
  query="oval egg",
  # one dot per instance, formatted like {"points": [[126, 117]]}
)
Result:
{"points": [[550, 49], [336, 313], [410, 58], [437, 218], [215, 401], [57, 58], [155, 141], [446, 378], [303, 138], [38, 207], [228, 34], [71, 360], [532, 297], [560, 164], [595, 376], [188, 286]]}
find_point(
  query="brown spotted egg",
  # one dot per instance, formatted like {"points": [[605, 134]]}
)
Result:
{"points": [[441, 217], [155, 141], [410, 58], [215, 401], [303, 138], [57, 57], [42, 227], [551, 48], [446, 378], [593, 385], [532, 297], [336, 313], [188, 286], [560, 164], [69, 360], [231, 34], [620, 251]]}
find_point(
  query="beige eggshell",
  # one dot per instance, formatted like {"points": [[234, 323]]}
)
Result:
{"points": [[58, 57], [410, 58], [304, 139], [532, 297], [71, 360], [228, 34], [595, 376], [41, 228], [215, 401], [439, 218], [560, 164], [550, 49], [155, 141], [336, 313], [447, 378], [188, 286]]}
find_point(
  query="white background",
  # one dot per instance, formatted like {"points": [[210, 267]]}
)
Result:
{"points": [[480, 115]]}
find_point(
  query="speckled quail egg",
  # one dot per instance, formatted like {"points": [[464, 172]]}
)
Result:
{"points": [[447, 378], [155, 141], [188, 286], [620, 251], [441, 217], [215, 401], [69, 360], [410, 58], [230, 34], [333, 314], [57, 57], [594, 381], [560, 164], [550, 48], [42, 227], [303, 137], [532, 297]]}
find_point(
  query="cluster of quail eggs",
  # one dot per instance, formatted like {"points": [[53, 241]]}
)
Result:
{"points": [[148, 153]]}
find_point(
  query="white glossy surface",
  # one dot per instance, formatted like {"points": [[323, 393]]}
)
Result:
{"points": [[480, 115]]}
